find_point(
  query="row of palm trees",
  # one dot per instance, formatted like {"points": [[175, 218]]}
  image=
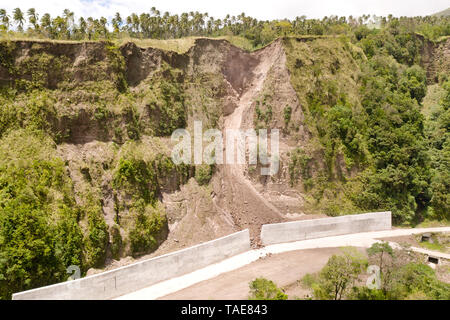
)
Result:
{"points": [[61, 27], [146, 25], [163, 26]]}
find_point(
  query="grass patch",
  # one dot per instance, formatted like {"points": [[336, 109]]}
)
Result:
{"points": [[177, 45], [439, 242], [434, 246]]}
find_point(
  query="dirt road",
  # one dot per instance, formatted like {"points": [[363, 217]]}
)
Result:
{"points": [[285, 269]]}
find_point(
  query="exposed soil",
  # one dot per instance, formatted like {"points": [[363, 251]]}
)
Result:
{"points": [[235, 199], [192, 219], [248, 208], [235, 192]]}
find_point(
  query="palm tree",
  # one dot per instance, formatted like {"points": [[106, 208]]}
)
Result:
{"points": [[46, 24], [144, 20], [209, 26], [82, 27], [116, 23], [104, 30], [69, 17], [184, 24], [135, 22], [60, 27], [19, 18], [90, 27], [218, 24], [4, 18], [33, 18]]}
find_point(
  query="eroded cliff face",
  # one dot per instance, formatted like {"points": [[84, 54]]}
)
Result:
{"points": [[111, 111], [435, 58], [223, 84], [49, 63]]}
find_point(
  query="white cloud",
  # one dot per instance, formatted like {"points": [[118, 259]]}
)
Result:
{"points": [[261, 9]]}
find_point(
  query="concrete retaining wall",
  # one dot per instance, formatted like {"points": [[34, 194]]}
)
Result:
{"points": [[318, 228], [114, 283]]}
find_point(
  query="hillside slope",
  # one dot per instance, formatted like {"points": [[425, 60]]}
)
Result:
{"points": [[86, 173], [442, 13]]}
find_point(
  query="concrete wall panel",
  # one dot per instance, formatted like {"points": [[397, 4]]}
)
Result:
{"points": [[319, 228], [117, 282]]}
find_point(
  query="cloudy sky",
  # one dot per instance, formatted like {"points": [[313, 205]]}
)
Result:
{"points": [[261, 9]]}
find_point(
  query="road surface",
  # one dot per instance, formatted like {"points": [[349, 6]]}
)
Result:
{"points": [[365, 240]]}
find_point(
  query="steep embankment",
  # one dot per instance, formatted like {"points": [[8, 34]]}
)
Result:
{"points": [[110, 112], [105, 116], [109, 155], [248, 207], [224, 83], [435, 58], [249, 199]]}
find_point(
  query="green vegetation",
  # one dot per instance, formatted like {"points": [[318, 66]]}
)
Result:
{"points": [[263, 111], [299, 166], [97, 237], [117, 241], [263, 289], [137, 179], [402, 277], [137, 183], [39, 232], [413, 281], [324, 74], [287, 112], [437, 126], [203, 174], [396, 141], [338, 276], [46, 94], [50, 220], [165, 101], [371, 124], [438, 242], [148, 225]]}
